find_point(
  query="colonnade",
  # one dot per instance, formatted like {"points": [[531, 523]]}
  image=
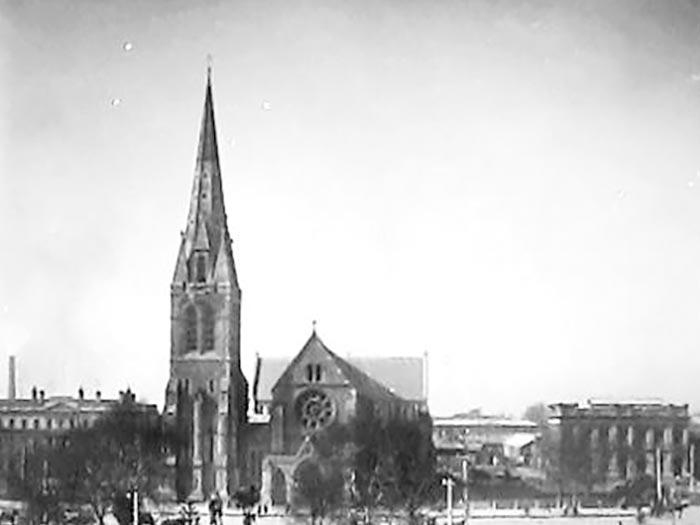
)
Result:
{"points": [[623, 444]]}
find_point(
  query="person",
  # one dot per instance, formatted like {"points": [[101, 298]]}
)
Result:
{"points": [[212, 511], [218, 509], [248, 518], [189, 513]]}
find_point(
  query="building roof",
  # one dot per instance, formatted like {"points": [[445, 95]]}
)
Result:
{"points": [[404, 376], [482, 422], [362, 382], [65, 404]]}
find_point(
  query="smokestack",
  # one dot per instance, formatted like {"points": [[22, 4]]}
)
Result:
{"points": [[11, 385]]}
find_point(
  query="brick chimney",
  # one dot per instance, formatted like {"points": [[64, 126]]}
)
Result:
{"points": [[12, 385]]}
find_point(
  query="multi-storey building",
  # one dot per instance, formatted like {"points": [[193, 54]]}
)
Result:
{"points": [[26, 423], [602, 443]]}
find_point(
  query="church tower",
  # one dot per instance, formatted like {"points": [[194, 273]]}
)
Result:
{"points": [[206, 396]]}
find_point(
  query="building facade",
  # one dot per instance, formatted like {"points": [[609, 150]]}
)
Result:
{"points": [[491, 446], [603, 443], [41, 420], [317, 389], [221, 447], [206, 396]]}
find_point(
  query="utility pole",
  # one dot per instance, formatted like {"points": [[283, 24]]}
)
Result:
{"points": [[692, 467], [465, 496], [449, 484], [657, 457], [136, 505]]}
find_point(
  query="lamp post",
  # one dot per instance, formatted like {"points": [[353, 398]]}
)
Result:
{"points": [[447, 482]]}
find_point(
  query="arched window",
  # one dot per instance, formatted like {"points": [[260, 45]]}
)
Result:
{"points": [[201, 268], [190, 328], [208, 325]]}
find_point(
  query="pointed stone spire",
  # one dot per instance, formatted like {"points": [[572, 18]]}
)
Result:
{"points": [[225, 268], [208, 150], [206, 221]]}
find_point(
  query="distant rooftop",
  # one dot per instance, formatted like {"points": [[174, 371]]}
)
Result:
{"points": [[457, 421], [641, 402]]}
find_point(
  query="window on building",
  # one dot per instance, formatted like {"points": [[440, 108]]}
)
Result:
{"points": [[211, 386], [201, 268], [36, 423], [313, 373], [12, 423], [208, 326], [49, 423], [24, 423], [190, 328]]}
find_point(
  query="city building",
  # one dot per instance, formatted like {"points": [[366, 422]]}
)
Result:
{"points": [[484, 441], [26, 423], [316, 389], [603, 443], [222, 447]]}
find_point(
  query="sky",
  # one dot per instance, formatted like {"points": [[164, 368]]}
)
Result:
{"points": [[511, 186]]}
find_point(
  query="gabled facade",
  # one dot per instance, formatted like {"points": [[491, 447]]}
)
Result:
{"points": [[316, 390], [404, 376], [206, 396]]}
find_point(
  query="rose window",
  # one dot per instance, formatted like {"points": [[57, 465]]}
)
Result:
{"points": [[315, 409]]}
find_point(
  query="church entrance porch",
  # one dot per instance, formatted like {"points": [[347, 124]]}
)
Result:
{"points": [[278, 476]]}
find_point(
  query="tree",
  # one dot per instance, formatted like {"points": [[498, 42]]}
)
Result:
{"points": [[373, 462], [406, 469], [320, 485], [246, 499], [29, 483], [124, 450], [537, 413]]}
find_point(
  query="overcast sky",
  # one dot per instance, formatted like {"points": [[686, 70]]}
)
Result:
{"points": [[512, 186]]}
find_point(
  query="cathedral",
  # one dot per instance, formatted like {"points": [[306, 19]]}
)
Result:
{"points": [[223, 445]]}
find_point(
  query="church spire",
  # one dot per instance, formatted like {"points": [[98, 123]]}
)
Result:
{"points": [[206, 221], [208, 150]]}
